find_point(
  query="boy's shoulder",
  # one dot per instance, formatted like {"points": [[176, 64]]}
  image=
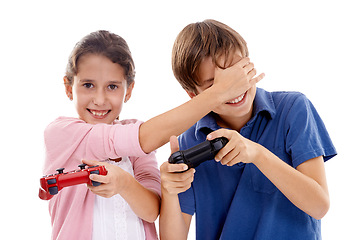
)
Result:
{"points": [[284, 100], [286, 96]]}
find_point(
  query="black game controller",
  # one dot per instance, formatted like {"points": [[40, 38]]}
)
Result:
{"points": [[204, 151]]}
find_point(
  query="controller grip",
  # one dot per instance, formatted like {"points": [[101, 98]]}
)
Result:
{"points": [[204, 151]]}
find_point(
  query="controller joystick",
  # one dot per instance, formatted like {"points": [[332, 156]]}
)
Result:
{"points": [[82, 166], [51, 184], [198, 154]]}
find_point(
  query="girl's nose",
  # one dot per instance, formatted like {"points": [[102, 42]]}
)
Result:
{"points": [[99, 98]]}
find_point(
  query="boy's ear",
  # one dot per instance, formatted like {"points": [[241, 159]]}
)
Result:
{"points": [[68, 88], [191, 94]]}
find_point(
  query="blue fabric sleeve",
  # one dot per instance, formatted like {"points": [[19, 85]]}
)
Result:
{"points": [[307, 136]]}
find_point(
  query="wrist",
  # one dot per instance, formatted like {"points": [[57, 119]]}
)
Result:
{"points": [[215, 95], [261, 153], [127, 183]]}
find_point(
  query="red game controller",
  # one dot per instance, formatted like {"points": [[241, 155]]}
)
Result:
{"points": [[53, 183]]}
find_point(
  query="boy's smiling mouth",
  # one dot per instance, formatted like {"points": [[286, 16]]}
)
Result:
{"points": [[238, 99], [98, 113]]}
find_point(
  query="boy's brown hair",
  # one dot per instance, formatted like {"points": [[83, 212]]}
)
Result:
{"points": [[199, 40]]}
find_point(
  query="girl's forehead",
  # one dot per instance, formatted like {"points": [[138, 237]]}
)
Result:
{"points": [[96, 67]]}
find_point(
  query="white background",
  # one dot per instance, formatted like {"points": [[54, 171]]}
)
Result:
{"points": [[308, 46]]}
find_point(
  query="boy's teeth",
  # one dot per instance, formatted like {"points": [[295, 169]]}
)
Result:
{"points": [[237, 99]]}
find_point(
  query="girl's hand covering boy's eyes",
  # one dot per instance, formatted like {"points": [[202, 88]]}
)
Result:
{"points": [[112, 183], [237, 79], [238, 149]]}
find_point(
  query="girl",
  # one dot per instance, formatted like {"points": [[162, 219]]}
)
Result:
{"points": [[99, 79]]}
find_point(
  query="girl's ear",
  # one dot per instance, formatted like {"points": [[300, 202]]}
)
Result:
{"points": [[129, 92], [68, 88]]}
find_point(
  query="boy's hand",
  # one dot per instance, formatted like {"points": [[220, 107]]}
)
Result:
{"points": [[173, 180], [112, 183], [238, 149], [237, 79]]}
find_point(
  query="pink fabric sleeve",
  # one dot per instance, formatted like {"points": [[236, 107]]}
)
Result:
{"points": [[69, 140]]}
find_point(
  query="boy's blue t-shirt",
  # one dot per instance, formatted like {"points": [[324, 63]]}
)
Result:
{"points": [[239, 202]]}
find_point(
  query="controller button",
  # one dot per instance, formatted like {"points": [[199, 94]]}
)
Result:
{"points": [[51, 181], [95, 172], [82, 166], [53, 190], [60, 170], [96, 184]]}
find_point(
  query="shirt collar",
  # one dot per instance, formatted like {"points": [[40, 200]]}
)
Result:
{"points": [[263, 104]]}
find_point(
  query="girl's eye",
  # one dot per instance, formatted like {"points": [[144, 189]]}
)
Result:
{"points": [[88, 85], [112, 87]]}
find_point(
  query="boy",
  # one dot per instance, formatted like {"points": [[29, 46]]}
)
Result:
{"points": [[269, 181]]}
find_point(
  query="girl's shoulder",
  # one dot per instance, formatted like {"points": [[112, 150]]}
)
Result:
{"points": [[127, 121]]}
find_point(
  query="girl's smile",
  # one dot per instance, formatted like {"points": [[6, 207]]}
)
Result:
{"points": [[99, 114]]}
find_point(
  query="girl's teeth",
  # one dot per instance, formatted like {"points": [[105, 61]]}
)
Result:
{"points": [[240, 98], [97, 113]]}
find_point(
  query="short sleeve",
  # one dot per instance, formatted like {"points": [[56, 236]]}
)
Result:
{"points": [[306, 135], [186, 201]]}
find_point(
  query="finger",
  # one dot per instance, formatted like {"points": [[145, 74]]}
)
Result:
{"points": [[174, 145], [229, 157], [99, 178], [249, 67], [177, 167], [243, 62], [91, 162], [167, 167], [257, 79], [219, 133], [223, 152], [181, 177], [234, 161]]}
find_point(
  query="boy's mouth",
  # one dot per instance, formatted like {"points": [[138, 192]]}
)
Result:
{"points": [[238, 99], [98, 113]]}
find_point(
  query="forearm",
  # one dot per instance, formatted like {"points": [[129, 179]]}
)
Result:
{"points": [[144, 202], [156, 132], [304, 191], [171, 221]]}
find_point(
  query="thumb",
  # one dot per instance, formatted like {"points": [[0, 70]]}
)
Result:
{"points": [[174, 145], [91, 162], [218, 133]]}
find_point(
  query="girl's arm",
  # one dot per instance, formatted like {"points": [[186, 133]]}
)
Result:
{"points": [[228, 84]]}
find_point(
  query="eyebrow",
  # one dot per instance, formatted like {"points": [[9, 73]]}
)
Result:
{"points": [[86, 80]]}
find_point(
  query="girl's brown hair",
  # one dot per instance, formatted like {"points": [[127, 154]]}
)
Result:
{"points": [[198, 41], [106, 44]]}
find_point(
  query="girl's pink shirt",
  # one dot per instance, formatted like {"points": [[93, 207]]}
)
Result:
{"points": [[67, 142]]}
